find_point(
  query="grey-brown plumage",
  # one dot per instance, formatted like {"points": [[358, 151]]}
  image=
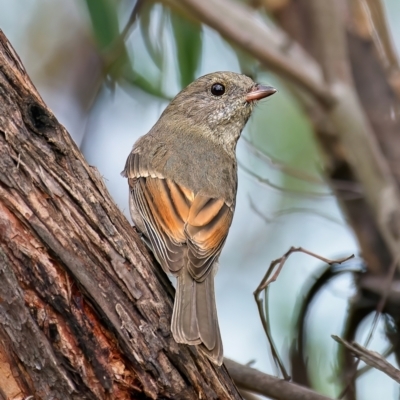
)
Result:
{"points": [[183, 181]]}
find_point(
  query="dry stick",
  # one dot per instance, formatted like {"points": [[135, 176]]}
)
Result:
{"points": [[382, 301], [382, 37], [367, 367], [132, 19], [383, 42], [275, 269], [339, 185], [268, 183], [281, 166], [289, 211], [377, 315], [371, 358], [250, 379]]}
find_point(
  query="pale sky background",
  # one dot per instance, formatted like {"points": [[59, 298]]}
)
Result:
{"points": [[38, 29]]}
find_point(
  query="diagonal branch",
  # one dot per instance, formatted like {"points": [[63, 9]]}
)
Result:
{"points": [[381, 35], [271, 276], [371, 358], [248, 378]]}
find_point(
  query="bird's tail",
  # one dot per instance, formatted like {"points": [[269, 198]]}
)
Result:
{"points": [[194, 319]]}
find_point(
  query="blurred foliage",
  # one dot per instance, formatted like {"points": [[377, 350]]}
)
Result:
{"points": [[111, 43], [153, 42], [188, 43], [105, 27], [104, 20], [112, 47]]}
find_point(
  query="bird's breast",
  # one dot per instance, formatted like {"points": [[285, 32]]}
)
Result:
{"points": [[203, 167]]}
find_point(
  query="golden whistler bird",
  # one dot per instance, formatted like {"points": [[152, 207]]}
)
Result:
{"points": [[183, 180]]}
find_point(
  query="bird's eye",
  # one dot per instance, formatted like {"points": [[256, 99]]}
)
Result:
{"points": [[218, 89]]}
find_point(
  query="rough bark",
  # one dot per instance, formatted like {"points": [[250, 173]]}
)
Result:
{"points": [[84, 310]]}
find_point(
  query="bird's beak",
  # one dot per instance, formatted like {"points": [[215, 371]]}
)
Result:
{"points": [[259, 92]]}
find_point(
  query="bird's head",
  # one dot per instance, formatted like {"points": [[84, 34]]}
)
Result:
{"points": [[218, 104]]}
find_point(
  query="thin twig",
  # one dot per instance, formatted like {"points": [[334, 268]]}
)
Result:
{"points": [[292, 210], [270, 277], [382, 301], [371, 358], [367, 367], [338, 185], [250, 379], [280, 166], [111, 54], [378, 313], [132, 19], [381, 34], [267, 182]]}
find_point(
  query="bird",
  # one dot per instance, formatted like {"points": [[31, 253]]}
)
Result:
{"points": [[182, 178]]}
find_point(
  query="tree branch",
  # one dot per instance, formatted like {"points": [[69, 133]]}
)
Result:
{"points": [[371, 358], [353, 126], [248, 378], [382, 37], [269, 45], [329, 27]]}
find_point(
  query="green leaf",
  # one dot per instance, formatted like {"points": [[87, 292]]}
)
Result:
{"points": [[188, 39], [118, 66], [104, 19], [153, 45]]}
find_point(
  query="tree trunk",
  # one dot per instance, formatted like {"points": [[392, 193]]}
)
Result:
{"points": [[84, 310]]}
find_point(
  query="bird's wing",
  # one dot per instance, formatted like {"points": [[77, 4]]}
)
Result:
{"points": [[206, 230], [183, 228]]}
